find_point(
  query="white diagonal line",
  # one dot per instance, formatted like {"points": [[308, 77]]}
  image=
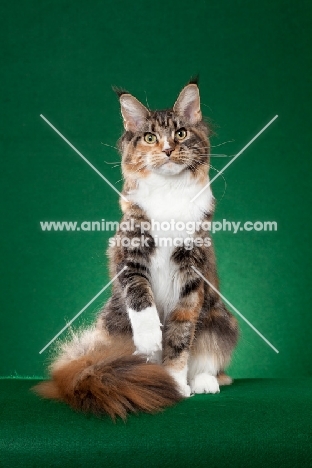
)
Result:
{"points": [[82, 156], [237, 311], [82, 310], [235, 157]]}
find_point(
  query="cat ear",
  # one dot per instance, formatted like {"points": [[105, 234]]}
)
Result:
{"points": [[133, 112], [188, 104]]}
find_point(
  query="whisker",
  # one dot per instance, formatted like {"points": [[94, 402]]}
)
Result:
{"points": [[140, 169], [224, 143], [222, 175], [206, 106], [222, 155], [114, 162], [140, 157], [194, 163], [217, 155], [214, 155], [147, 101], [111, 146]]}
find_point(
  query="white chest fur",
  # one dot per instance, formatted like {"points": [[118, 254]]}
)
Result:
{"points": [[167, 199]]}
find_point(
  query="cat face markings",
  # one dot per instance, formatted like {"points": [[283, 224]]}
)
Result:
{"points": [[164, 158], [165, 150], [166, 142]]}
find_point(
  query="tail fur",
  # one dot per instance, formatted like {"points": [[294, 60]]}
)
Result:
{"points": [[112, 380]]}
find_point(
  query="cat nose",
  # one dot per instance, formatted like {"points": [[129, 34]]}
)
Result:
{"points": [[168, 151], [167, 146]]}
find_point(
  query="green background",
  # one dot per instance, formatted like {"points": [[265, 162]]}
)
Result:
{"points": [[60, 59]]}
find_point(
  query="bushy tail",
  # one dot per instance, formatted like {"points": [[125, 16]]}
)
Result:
{"points": [[111, 380]]}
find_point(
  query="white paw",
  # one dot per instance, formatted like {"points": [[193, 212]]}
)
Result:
{"points": [[185, 390], [156, 357], [149, 343], [147, 334], [205, 383], [180, 378]]}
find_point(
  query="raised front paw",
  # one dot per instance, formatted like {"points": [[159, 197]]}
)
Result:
{"points": [[149, 343], [147, 334], [205, 383]]}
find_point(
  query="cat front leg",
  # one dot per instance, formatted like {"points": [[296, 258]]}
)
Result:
{"points": [[176, 354], [178, 336], [142, 312], [147, 334], [216, 337]]}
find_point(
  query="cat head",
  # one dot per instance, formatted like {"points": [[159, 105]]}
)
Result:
{"points": [[167, 142]]}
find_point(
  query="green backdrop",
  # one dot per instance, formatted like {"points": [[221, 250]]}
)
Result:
{"points": [[60, 59]]}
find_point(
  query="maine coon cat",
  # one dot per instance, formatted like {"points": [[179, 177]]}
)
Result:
{"points": [[164, 333]]}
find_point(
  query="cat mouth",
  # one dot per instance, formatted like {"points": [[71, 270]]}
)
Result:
{"points": [[169, 168], [170, 162]]}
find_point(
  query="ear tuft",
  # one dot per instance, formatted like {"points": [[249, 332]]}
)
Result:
{"points": [[119, 91], [188, 104], [133, 112], [194, 79]]}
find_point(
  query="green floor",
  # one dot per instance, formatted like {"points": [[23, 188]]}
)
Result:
{"points": [[260, 422]]}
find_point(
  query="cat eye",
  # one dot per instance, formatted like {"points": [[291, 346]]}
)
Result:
{"points": [[150, 138], [181, 134]]}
